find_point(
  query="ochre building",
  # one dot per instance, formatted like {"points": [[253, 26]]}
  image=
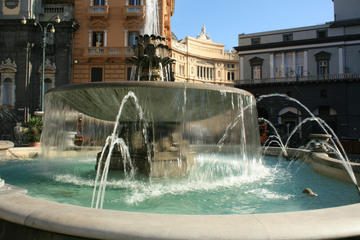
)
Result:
{"points": [[201, 60], [107, 32]]}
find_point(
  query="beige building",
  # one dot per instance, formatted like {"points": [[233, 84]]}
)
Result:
{"points": [[107, 32], [201, 60]]}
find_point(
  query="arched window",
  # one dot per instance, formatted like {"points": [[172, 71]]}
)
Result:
{"points": [[8, 92]]}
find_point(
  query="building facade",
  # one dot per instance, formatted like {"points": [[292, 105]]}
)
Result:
{"points": [[108, 30], [21, 50], [200, 60], [318, 65]]}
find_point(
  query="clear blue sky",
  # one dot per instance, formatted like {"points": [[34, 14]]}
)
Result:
{"points": [[225, 19]]}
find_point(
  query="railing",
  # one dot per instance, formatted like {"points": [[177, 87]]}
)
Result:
{"points": [[134, 11], [54, 10], [106, 51], [292, 79], [230, 56], [99, 11]]}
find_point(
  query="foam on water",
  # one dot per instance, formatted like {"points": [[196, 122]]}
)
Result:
{"points": [[210, 174], [265, 193]]}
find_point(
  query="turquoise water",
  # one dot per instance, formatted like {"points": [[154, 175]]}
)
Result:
{"points": [[217, 185]]}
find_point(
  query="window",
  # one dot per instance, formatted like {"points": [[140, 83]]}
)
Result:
{"points": [[231, 76], [134, 2], [182, 70], [299, 70], [8, 91], [278, 65], [287, 37], [321, 34], [324, 111], [255, 41], [97, 39], [323, 93], [96, 74], [323, 67], [98, 2], [256, 72], [323, 59], [256, 68], [132, 39]]}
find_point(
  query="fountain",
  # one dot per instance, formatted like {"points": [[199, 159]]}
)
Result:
{"points": [[163, 160], [184, 152]]}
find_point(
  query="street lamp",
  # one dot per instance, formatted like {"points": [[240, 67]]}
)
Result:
{"points": [[44, 30]]}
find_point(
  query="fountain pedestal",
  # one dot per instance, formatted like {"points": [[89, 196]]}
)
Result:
{"points": [[165, 154]]}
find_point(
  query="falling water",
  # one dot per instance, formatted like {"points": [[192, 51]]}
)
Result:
{"points": [[152, 18], [161, 72], [139, 69], [150, 70], [133, 73], [192, 119], [110, 144], [168, 70], [234, 122]]}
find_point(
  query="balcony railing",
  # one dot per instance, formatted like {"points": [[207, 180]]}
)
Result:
{"points": [[99, 11], [134, 11], [106, 51], [293, 79]]}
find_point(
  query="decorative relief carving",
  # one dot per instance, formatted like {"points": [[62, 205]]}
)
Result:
{"points": [[49, 67], [98, 24], [8, 66]]}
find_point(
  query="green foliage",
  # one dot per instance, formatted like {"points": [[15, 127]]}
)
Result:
{"points": [[33, 129]]}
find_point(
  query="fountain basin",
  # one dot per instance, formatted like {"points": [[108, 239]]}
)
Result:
{"points": [[41, 217], [158, 121]]}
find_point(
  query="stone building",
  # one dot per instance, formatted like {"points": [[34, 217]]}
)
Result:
{"points": [[200, 60], [318, 65], [108, 30], [21, 56]]}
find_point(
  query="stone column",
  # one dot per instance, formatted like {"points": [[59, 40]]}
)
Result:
{"points": [[125, 38], [341, 60], [105, 37], [241, 63], [282, 65], [306, 69], [272, 66], [293, 64], [90, 37]]}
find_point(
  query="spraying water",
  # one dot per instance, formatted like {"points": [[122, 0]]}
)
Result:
{"points": [[326, 128]]}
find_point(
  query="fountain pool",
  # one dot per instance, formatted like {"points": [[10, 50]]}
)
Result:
{"points": [[276, 186]]}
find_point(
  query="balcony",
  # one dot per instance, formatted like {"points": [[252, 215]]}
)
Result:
{"points": [[301, 79], [99, 11], [106, 52], [64, 11], [134, 11]]}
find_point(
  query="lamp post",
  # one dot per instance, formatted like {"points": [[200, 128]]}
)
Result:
{"points": [[44, 30]]}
